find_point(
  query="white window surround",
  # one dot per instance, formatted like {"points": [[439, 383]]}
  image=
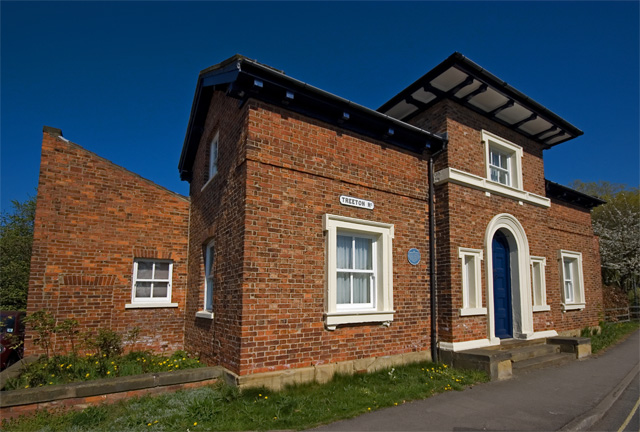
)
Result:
{"points": [[572, 280], [453, 175], [471, 282], [381, 309], [513, 154], [212, 166], [207, 311], [156, 280], [538, 284]]}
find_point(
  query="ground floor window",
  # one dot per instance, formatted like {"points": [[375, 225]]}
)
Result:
{"points": [[359, 271], [538, 284], [471, 282], [151, 281], [572, 279], [207, 311]]}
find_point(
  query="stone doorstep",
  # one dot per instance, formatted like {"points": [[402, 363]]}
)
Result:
{"points": [[499, 361], [97, 388]]}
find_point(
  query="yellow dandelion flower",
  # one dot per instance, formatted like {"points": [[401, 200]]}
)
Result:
{"points": [[266, 397], [395, 403], [50, 382], [195, 423], [183, 358], [156, 421], [368, 409], [52, 375], [86, 376], [260, 394], [275, 418], [26, 386], [148, 424], [108, 372]]}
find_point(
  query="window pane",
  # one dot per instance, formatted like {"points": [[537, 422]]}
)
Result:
{"points": [[208, 301], [504, 178], [495, 175], [162, 271], [470, 280], [567, 270], [568, 291], [143, 289], [537, 284], [344, 252], [208, 261], [344, 289], [160, 289], [363, 254], [361, 291], [145, 269]]}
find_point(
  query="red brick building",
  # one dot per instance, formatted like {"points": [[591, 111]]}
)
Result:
{"points": [[316, 237]]}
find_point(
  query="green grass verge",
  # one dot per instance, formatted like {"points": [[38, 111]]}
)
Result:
{"points": [[73, 368], [610, 334], [222, 407]]}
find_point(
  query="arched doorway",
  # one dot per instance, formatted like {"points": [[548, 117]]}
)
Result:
{"points": [[502, 311], [510, 313]]}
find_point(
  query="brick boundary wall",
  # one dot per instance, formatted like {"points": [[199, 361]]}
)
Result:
{"points": [[17, 403]]}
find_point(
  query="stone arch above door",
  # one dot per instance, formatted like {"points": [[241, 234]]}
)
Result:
{"points": [[521, 277]]}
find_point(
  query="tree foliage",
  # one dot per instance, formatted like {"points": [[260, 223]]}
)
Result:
{"points": [[16, 238], [618, 224]]}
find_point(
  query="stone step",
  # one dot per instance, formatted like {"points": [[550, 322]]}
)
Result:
{"points": [[510, 344], [530, 351], [548, 360]]}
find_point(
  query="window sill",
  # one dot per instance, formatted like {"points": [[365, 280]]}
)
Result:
{"points": [[150, 305], [204, 314], [332, 319], [471, 180], [208, 181], [573, 306], [541, 308], [473, 311]]}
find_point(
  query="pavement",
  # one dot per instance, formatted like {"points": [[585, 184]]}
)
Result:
{"points": [[574, 396]]}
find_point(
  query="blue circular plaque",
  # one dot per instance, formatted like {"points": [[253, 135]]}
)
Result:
{"points": [[414, 256]]}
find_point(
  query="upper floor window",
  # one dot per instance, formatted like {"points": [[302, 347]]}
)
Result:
{"points": [[212, 167], [503, 160], [151, 283]]}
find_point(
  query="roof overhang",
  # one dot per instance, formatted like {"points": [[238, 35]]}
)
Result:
{"points": [[572, 196], [242, 78], [463, 81]]}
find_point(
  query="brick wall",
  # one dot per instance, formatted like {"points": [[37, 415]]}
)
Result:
{"points": [[92, 219], [217, 214], [297, 169], [464, 213], [279, 173]]}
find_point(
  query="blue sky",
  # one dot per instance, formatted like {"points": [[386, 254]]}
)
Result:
{"points": [[118, 77]]}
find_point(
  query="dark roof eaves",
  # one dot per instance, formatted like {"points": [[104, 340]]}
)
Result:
{"points": [[592, 201]]}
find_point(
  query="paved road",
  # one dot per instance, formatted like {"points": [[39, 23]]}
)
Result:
{"points": [[570, 397], [624, 414]]}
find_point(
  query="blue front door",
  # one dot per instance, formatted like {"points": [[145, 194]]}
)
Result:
{"points": [[502, 287]]}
